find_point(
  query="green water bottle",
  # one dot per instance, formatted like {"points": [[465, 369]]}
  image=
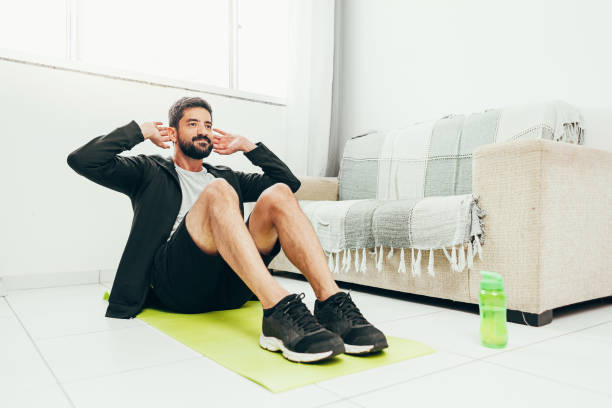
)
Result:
{"points": [[492, 302]]}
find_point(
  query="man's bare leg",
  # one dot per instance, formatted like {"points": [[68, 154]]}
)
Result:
{"points": [[217, 227], [277, 214]]}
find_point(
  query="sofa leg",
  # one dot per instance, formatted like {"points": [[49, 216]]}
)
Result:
{"points": [[530, 319]]}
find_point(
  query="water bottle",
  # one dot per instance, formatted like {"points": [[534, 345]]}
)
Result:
{"points": [[492, 302]]}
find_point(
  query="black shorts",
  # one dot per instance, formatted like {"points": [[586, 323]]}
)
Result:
{"points": [[184, 279]]}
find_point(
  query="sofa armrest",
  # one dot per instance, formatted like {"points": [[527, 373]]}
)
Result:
{"points": [[548, 221], [318, 189]]}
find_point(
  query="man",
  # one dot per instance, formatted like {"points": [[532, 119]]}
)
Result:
{"points": [[189, 249]]}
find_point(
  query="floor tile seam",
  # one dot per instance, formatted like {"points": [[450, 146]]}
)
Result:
{"points": [[337, 397], [589, 327], [85, 333], [408, 317], [327, 404], [561, 334], [554, 380], [351, 397], [51, 287], [505, 351], [42, 357], [96, 377]]}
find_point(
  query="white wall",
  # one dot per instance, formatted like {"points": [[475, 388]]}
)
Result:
{"points": [[54, 220], [406, 61]]}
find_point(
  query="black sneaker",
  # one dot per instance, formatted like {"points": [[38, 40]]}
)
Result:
{"points": [[339, 314], [290, 327]]}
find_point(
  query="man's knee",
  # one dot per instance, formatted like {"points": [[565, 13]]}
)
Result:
{"points": [[277, 196], [218, 192]]}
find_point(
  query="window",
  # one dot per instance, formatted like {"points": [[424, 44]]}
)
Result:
{"points": [[34, 26], [237, 44], [262, 46], [185, 39]]}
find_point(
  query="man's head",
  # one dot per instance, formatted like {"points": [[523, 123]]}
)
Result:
{"points": [[190, 123]]}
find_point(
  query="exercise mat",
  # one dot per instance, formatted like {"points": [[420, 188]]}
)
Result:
{"points": [[231, 338]]}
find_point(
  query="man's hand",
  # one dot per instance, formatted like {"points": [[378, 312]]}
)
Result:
{"points": [[156, 132], [226, 143]]}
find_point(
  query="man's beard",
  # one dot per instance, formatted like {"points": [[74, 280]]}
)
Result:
{"points": [[194, 149]]}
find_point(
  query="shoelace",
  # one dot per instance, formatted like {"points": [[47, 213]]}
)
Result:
{"points": [[350, 310], [300, 314]]}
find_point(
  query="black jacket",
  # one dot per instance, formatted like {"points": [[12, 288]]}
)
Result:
{"points": [[153, 186]]}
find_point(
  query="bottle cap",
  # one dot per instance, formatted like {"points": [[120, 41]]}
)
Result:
{"points": [[491, 281]]}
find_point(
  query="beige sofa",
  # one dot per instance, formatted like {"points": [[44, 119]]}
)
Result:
{"points": [[548, 230]]}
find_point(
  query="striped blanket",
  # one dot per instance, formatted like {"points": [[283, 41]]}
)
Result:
{"points": [[411, 188], [435, 158], [346, 228]]}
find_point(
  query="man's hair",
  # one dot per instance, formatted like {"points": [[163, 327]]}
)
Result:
{"points": [[176, 110]]}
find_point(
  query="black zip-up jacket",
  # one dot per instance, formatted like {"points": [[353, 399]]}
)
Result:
{"points": [[153, 186]]}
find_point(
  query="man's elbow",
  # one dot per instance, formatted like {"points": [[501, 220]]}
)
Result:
{"points": [[295, 185], [73, 161]]}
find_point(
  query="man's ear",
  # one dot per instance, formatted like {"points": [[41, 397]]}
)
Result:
{"points": [[172, 133]]}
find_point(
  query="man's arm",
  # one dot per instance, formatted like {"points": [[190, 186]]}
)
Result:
{"points": [[99, 160], [253, 184]]}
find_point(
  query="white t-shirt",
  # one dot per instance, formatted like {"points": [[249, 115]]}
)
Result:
{"points": [[192, 184]]}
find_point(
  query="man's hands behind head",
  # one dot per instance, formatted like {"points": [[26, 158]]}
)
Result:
{"points": [[157, 133]]}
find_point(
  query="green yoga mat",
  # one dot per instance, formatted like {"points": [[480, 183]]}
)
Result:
{"points": [[231, 338]]}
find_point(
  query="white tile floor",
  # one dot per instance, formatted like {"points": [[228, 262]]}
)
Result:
{"points": [[58, 350]]}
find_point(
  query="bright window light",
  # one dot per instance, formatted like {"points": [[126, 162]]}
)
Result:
{"points": [[34, 26], [262, 46], [182, 39]]}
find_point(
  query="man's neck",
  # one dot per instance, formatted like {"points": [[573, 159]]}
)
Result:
{"points": [[186, 162]]}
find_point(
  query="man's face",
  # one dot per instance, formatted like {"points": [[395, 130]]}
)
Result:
{"points": [[195, 133]]}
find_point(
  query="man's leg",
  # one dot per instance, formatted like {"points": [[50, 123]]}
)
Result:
{"points": [[217, 227], [277, 214]]}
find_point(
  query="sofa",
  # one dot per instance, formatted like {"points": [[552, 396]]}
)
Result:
{"points": [[541, 199]]}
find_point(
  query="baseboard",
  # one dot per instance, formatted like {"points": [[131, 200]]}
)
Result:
{"points": [[49, 280]]}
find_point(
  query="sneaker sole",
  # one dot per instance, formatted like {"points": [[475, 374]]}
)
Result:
{"points": [[274, 344], [367, 349]]}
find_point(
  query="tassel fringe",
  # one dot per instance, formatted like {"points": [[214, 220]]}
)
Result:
{"points": [[362, 268], [461, 258], [402, 264], [430, 267], [417, 265], [379, 266], [390, 254], [356, 260]]}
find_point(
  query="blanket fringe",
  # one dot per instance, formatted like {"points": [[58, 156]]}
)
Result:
{"points": [[362, 269], [454, 266], [390, 254], [330, 262], [478, 247], [347, 260], [430, 267], [470, 256], [357, 260], [417, 266], [379, 266], [336, 268], [447, 256], [461, 258], [402, 264]]}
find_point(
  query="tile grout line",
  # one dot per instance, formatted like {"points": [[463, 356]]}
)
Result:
{"points": [[561, 334], [577, 386], [41, 356], [95, 377], [350, 398], [61, 336]]}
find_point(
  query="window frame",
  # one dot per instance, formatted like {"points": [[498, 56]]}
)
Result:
{"points": [[71, 63]]}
